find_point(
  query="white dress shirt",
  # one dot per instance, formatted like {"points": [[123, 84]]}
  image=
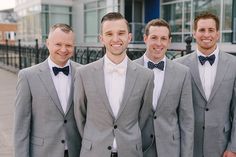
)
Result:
{"points": [[115, 75], [158, 80], [207, 72], [62, 84]]}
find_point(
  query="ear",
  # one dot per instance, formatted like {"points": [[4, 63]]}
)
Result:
{"points": [[47, 43], [170, 40], [130, 37], [218, 35], [145, 37], [194, 34], [101, 39]]}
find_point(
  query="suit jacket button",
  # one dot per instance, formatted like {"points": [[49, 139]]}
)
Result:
{"points": [[207, 109], [62, 141], [65, 121], [203, 127], [109, 147], [155, 117], [115, 126], [151, 136]]}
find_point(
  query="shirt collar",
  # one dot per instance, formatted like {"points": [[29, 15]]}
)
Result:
{"points": [[146, 59], [52, 64], [122, 64], [215, 52]]}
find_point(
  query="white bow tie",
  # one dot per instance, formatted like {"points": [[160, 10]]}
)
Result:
{"points": [[120, 69]]}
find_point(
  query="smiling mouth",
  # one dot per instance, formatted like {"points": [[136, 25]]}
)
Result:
{"points": [[206, 40], [158, 49]]}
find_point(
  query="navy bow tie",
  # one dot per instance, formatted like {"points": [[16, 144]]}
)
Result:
{"points": [[159, 66], [210, 59], [65, 70]]}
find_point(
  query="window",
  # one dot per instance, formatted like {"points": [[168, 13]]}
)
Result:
{"points": [[94, 11]]}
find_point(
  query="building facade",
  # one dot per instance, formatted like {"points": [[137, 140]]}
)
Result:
{"points": [[8, 26], [36, 16]]}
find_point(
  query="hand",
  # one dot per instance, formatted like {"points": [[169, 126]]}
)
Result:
{"points": [[229, 154]]}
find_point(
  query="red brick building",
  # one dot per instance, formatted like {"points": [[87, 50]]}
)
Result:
{"points": [[8, 31]]}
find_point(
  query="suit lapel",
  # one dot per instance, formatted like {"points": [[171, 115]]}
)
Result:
{"points": [[45, 76], [220, 73], [100, 84], [140, 61], [168, 79], [131, 76], [193, 65], [73, 67]]}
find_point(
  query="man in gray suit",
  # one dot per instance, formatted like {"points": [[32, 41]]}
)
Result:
{"points": [[44, 115], [112, 96], [214, 91], [169, 130]]}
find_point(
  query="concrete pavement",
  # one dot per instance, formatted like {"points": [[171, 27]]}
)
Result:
{"points": [[7, 94]]}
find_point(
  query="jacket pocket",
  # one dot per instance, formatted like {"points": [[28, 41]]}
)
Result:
{"points": [[37, 140]]}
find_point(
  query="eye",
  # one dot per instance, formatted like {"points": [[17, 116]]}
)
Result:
{"points": [[153, 37], [58, 44], [122, 32], [211, 30], [201, 30], [69, 46], [163, 38]]}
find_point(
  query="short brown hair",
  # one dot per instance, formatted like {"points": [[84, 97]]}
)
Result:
{"points": [[206, 15], [113, 16], [157, 22]]}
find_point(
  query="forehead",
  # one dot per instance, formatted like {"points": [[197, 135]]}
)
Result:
{"points": [[59, 36], [206, 23], [159, 30], [114, 25]]}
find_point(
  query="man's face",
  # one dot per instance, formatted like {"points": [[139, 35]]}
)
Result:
{"points": [[206, 36], [115, 37], [60, 46], [157, 42]]}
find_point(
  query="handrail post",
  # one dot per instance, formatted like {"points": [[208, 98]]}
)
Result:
{"points": [[75, 54], [88, 55], [7, 52], [188, 41], [36, 51], [19, 49]]}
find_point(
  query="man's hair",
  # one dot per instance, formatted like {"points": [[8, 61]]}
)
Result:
{"points": [[113, 16], [157, 22], [206, 15], [64, 27]]}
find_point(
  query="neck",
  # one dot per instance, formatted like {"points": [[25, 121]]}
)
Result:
{"points": [[117, 59], [207, 52]]}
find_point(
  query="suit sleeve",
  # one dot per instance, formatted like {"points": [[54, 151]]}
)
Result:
{"points": [[232, 141], [186, 118], [23, 113], [146, 108], [79, 103]]}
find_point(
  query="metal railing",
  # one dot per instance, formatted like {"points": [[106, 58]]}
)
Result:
{"points": [[20, 57]]}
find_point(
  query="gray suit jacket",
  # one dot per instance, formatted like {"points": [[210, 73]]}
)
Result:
{"points": [[169, 131], [215, 119], [94, 115], [41, 127]]}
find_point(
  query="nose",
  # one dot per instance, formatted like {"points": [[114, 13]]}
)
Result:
{"points": [[63, 48], [115, 37], [207, 33], [158, 41]]}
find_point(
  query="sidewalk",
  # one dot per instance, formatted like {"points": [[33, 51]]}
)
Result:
{"points": [[7, 95]]}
